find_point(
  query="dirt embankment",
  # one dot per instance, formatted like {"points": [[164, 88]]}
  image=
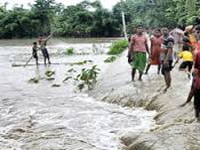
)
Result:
{"points": [[176, 130]]}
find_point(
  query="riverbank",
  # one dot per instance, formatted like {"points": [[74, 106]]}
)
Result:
{"points": [[177, 129]]}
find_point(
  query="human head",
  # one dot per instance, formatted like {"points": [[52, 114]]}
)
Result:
{"points": [[34, 43], [186, 48], [139, 29], [165, 31], [157, 32], [197, 29]]}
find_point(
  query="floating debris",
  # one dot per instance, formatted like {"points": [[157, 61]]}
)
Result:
{"points": [[34, 80], [49, 73], [67, 78], [55, 85], [110, 59]]}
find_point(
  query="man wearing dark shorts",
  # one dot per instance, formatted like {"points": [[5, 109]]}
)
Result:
{"points": [[166, 56], [43, 42]]}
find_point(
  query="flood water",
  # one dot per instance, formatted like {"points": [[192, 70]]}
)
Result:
{"points": [[41, 117]]}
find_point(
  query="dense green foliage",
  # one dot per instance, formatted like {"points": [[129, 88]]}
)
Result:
{"points": [[118, 47], [90, 19]]}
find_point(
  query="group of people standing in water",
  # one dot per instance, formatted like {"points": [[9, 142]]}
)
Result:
{"points": [[165, 47], [42, 42]]}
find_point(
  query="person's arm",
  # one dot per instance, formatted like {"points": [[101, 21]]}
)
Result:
{"points": [[151, 48], [177, 60], [147, 47], [130, 51], [48, 37]]}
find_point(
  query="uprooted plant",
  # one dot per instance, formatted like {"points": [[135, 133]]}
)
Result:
{"points": [[88, 77]]}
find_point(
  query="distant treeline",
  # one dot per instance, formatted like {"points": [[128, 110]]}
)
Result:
{"points": [[90, 19]]}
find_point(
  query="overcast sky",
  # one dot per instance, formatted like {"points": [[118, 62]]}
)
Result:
{"points": [[106, 3]]}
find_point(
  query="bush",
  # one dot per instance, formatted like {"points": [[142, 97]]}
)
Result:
{"points": [[70, 51], [118, 47]]}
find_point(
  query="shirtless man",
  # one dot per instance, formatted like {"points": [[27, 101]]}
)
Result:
{"points": [[43, 42]]}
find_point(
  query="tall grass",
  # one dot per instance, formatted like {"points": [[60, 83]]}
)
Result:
{"points": [[118, 47]]}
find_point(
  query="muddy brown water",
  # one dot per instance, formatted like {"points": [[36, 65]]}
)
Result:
{"points": [[42, 117]]}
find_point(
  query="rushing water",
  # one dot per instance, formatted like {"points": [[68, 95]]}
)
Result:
{"points": [[42, 117]]}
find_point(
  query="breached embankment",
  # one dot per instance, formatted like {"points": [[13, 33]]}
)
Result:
{"points": [[177, 129]]}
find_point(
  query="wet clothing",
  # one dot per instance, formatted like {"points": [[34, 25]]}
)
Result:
{"points": [[139, 43], [139, 61], [45, 52], [168, 43], [166, 67], [156, 43], [178, 35], [192, 39], [186, 56], [43, 48], [197, 61], [34, 53], [186, 64]]}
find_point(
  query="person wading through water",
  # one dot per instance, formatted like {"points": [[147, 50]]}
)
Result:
{"points": [[43, 42], [137, 52], [34, 52], [166, 56], [156, 42], [195, 88]]}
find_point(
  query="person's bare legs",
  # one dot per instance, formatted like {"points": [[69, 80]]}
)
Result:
{"points": [[168, 79], [36, 61], [45, 61], [140, 75], [197, 111], [159, 68], [49, 60], [133, 74], [147, 69]]}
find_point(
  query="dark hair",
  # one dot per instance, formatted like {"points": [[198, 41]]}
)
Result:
{"points": [[139, 25], [186, 34], [186, 40], [198, 28], [34, 43], [158, 29], [186, 48]]}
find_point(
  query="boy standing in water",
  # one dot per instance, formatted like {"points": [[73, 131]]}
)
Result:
{"points": [[166, 56], [43, 42], [34, 52], [137, 52]]}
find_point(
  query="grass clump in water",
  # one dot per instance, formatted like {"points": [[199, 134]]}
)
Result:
{"points": [[34, 80], [88, 77], [110, 59], [118, 47], [49, 73], [70, 51], [56, 85]]}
